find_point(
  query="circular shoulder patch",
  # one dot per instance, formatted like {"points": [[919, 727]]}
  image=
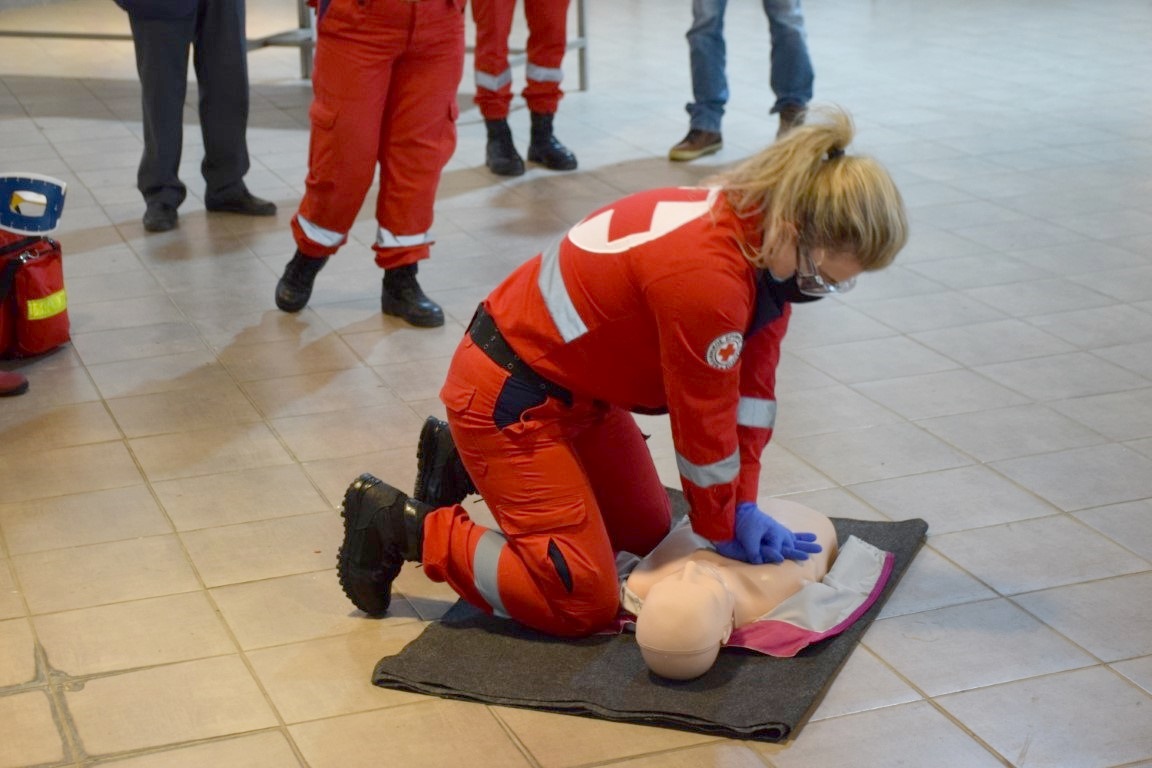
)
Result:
{"points": [[724, 350]]}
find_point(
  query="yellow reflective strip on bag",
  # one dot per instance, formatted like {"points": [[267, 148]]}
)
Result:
{"points": [[49, 306]]}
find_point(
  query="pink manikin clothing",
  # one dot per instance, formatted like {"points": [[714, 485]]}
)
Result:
{"points": [[647, 305], [385, 80], [547, 41]]}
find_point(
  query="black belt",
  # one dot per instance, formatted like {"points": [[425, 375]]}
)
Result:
{"points": [[487, 336]]}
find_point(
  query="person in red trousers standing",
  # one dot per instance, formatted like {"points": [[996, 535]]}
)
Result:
{"points": [[547, 41], [385, 78]]}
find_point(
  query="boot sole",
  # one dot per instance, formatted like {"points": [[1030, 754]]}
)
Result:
{"points": [[369, 588], [419, 322]]}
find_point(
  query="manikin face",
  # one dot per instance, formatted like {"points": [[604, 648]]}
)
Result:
{"points": [[685, 619]]}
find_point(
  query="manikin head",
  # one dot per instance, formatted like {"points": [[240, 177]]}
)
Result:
{"points": [[684, 621]]}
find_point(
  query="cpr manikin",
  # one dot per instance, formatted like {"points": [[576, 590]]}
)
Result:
{"points": [[688, 599]]}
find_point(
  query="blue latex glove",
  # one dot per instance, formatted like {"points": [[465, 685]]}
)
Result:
{"points": [[760, 539]]}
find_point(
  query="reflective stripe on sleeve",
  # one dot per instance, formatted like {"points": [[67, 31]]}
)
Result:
{"points": [[756, 412], [543, 74], [708, 475], [556, 298], [385, 239], [493, 82], [319, 235], [485, 561]]}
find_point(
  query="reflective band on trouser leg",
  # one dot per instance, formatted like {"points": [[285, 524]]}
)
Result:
{"points": [[556, 298], [708, 475], [49, 306], [485, 564], [385, 239], [544, 74], [494, 82], [319, 235], [756, 412]]}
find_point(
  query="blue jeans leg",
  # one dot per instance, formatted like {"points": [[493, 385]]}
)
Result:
{"points": [[792, 73], [707, 55]]}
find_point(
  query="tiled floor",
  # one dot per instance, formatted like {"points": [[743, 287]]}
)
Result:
{"points": [[169, 484]]}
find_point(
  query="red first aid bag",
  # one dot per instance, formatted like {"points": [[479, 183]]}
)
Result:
{"points": [[33, 304]]}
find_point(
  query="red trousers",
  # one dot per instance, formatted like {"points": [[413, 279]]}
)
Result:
{"points": [[547, 41], [385, 81], [568, 487]]}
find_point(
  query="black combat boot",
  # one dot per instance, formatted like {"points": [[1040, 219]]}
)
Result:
{"points": [[545, 149], [383, 528], [295, 287], [441, 479], [501, 156], [403, 297]]}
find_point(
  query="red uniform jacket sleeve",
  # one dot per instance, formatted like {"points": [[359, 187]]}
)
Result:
{"points": [[701, 316], [756, 414]]}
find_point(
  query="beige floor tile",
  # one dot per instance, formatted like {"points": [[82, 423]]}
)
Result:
{"points": [[1030, 720], [863, 683], [275, 359], [319, 392], [558, 741], [221, 404], [265, 549], [134, 343], [1084, 477], [44, 474], [332, 676], [262, 750], [720, 755], [190, 370], [395, 466], [461, 733], [295, 608], [1138, 671], [393, 344], [1090, 614], [940, 394], [994, 342], [875, 453], [1059, 377], [875, 360], [925, 737], [1129, 525], [953, 499], [415, 381], [347, 433], [1007, 433], [239, 497], [17, 653], [80, 519], [167, 705], [57, 427], [428, 598], [135, 634], [209, 451], [1037, 554], [28, 733], [11, 601], [804, 411], [63, 579], [931, 582], [970, 646]]}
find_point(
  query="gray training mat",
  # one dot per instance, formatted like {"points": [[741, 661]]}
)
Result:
{"points": [[471, 656]]}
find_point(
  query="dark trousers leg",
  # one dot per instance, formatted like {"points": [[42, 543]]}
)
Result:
{"points": [[162, 63], [221, 61]]}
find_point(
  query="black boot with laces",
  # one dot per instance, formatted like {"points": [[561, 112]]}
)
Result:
{"points": [[546, 149], [402, 297]]}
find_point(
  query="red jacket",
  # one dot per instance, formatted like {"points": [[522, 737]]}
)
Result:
{"points": [[650, 304]]}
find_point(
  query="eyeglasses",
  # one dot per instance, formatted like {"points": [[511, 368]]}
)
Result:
{"points": [[809, 280]]}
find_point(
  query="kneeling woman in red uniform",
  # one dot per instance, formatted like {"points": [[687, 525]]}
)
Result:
{"points": [[672, 300]]}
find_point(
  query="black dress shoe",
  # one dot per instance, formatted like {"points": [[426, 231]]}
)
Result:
{"points": [[403, 298], [159, 217], [246, 204], [295, 287]]}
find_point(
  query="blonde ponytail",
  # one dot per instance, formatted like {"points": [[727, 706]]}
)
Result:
{"points": [[805, 186]]}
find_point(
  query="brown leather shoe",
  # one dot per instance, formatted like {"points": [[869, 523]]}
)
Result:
{"points": [[696, 144], [244, 203]]}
